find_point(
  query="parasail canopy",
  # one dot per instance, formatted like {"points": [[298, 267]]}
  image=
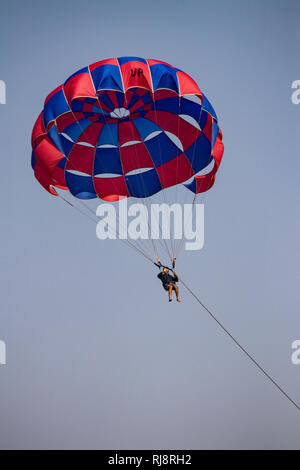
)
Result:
{"points": [[126, 127]]}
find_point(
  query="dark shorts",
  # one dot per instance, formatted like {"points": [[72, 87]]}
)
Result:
{"points": [[167, 286]]}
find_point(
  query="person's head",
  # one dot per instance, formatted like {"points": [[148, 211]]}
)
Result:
{"points": [[166, 271]]}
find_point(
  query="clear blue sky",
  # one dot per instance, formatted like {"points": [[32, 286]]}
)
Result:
{"points": [[96, 357]]}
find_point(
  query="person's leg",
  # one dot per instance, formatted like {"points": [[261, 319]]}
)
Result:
{"points": [[170, 292], [177, 292]]}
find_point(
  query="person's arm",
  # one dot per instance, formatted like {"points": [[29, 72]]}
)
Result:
{"points": [[160, 275], [175, 277]]}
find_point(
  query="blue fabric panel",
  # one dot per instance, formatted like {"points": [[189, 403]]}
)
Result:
{"points": [[147, 98], [206, 105], [67, 145], [192, 186], [77, 128], [109, 135], [90, 100], [145, 127], [33, 160], [215, 131], [62, 163], [80, 186], [107, 160], [107, 77], [169, 104], [143, 185], [102, 112], [120, 97], [203, 119], [124, 60], [54, 107], [138, 111], [164, 76], [133, 100], [199, 154], [162, 149], [77, 106], [142, 113], [105, 99], [190, 108], [56, 138]]}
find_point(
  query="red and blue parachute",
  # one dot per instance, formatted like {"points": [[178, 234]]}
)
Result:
{"points": [[126, 127]]}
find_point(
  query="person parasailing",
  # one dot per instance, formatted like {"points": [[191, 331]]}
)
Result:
{"points": [[168, 280]]}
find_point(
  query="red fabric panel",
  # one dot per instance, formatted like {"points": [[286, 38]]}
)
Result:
{"points": [[134, 157], [44, 178], [187, 86], [207, 131], [81, 158], [108, 188], [154, 62], [102, 105], [113, 198], [58, 178], [164, 94], [205, 182], [87, 107], [38, 131], [175, 171], [127, 132], [79, 85], [103, 62], [142, 79], [137, 105], [47, 154], [65, 120], [127, 96], [91, 134], [112, 95], [170, 122]]}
